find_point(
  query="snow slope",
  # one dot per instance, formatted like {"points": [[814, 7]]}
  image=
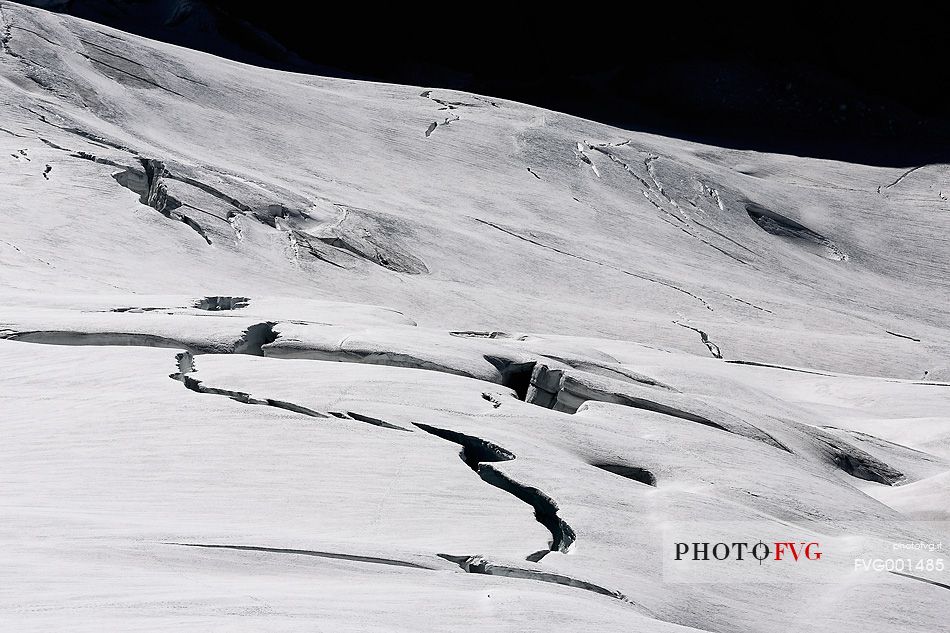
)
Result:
{"points": [[287, 352]]}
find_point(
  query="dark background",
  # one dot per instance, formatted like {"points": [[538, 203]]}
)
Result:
{"points": [[855, 86]]}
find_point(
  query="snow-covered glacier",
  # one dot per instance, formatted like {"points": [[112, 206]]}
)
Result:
{"points": [[284, 352]]}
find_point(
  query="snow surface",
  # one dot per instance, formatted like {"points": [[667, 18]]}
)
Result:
{"points": [[282, 352]]}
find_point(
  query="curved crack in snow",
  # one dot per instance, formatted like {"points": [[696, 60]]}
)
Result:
{"points": [[478, 453]]}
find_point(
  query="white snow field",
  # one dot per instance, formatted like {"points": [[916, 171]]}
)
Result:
{"points": [[288, 353]]}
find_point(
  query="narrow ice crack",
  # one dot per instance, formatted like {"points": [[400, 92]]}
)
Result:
{"points": [[712, 347], [750, 304], [148, 183], [477, 455], [648, 163], [593, 261], [581, 154], [110, 52], [495, 402], [453, 105], [901, 178], [910, 338], [89, 136], [133, 75], [6, 35], [919, 579], [657, 186], [691, 234], [445, 105], [233, 220], [54, 145], [32, 32], [480, 565], [307, 552], [770, 366], [470, 564], [714, 194], [725, 237], [617, 160], [561, 391], [186, 367]]}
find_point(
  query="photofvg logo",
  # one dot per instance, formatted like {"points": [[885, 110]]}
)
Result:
{"points": [[742, 552], [760, 551], [723, 552]]}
